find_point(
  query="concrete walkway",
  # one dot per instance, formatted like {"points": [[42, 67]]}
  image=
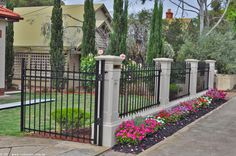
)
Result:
{"points": [[28, 146], [214, 135]]}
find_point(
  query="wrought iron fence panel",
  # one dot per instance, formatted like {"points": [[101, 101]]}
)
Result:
{"points": [[139, 88], [179, 80], [202, 76], [62, 104]]}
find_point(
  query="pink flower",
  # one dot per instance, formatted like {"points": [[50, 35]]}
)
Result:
{"points": [[122, 56]]}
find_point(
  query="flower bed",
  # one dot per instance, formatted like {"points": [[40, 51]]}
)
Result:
{"points": [[137, 135]]}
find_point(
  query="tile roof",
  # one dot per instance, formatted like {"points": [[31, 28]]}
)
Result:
{"points": [[9, 14]]}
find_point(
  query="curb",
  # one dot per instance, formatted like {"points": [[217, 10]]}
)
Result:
{"points": [[179, 132]]}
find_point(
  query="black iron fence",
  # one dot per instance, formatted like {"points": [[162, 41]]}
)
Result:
{"points": [[202, 76], [139, 88], [62, 104], [179, 80]]}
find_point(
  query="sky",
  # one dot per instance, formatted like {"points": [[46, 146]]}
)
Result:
{"points": [[136, 6]]}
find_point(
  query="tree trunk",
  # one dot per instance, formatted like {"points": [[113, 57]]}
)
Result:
{"points": [[201, 16]]}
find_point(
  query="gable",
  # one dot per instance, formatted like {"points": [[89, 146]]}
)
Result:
{"points": [[34, 31]]}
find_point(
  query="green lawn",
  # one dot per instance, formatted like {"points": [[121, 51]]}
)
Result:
{"points": [[38, 116], [10, 122], [10, 99]]}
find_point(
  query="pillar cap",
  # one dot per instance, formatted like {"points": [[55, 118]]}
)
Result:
{"points": [[163, 60], [109, 58], [210, 61], [191, 60]]}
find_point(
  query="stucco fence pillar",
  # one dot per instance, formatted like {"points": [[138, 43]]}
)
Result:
{"points": [[111, 98], [211, 73], [165, 64], [3, 25], [193, 76]]}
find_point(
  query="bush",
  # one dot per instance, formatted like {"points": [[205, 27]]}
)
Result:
{"points": [[65, 119], [217, 46], [88, 66], [174, 89]]}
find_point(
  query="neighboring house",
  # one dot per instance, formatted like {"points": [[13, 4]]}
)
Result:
{"points": [[32, 36]]}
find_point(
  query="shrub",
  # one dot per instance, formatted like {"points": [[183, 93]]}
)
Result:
{"points": [[66, 119], [88, 66], [217, 46]]}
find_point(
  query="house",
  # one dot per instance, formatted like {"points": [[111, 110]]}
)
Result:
{"points": [[32, 36], [6, 15]]}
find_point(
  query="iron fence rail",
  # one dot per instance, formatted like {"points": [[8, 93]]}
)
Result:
{"points": [[139, 88]]}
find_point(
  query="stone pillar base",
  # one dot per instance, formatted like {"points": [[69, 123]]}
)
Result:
{"points": [[2, 91]]}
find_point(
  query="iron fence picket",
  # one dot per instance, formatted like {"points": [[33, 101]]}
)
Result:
{"points": [[64, 115], [137, 89]]}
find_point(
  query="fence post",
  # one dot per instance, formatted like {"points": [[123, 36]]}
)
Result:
{"points": [[111, 98], [193, 75], [211, 73], [165, 64]]}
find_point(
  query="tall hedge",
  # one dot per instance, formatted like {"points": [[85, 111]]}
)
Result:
{"points": [[155, 43], [89, 26], [9, 57], [117, 43], [57, 58]]}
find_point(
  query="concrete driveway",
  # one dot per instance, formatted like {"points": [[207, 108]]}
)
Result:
{"points": [[28, 146]]}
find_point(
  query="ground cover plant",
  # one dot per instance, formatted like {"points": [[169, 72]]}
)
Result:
{"points": [[137, 135]]}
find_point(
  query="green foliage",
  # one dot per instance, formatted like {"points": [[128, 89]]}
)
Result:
{"points": [[117, 43], [89, 26], [68, 117], [217, 46], [231, 13], [139, 120], [175, 35], [88, 65], [155, 45], [57, 58], [9, 70], [174, 88]]}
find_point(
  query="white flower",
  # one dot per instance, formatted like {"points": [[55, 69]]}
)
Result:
{"points": [[100, 52]]}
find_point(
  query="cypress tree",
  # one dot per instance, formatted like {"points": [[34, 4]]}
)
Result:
{"points": [[57, 59], [118, 32], [152, 46], [159, 30], [155, 43], [89, 26], [124, 29], [9, 57]]}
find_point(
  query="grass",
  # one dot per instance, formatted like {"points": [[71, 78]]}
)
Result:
{"points": [[39, 116], [10, 122], [10, 99]]}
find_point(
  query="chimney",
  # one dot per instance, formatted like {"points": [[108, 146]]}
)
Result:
{"points": [[169, 14]]}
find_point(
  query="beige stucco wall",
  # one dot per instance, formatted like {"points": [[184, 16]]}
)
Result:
{"points": [[225, 82]]}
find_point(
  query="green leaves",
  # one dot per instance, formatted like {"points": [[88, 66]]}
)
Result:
{"points": [[89, 27], [155, 43], [117, 43], [9, 70]]}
